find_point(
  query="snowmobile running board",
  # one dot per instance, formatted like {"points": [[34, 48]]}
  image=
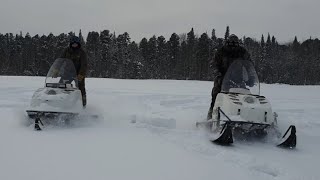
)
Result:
{"points": [[289, 139]]}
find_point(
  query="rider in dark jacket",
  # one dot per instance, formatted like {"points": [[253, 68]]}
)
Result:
{"points": [[79, 58], [222, 60]]}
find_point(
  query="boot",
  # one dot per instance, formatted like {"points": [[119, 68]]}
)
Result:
{"points": [[84, 101]]}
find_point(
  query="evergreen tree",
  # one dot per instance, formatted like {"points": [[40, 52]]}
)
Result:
{"points": [[162, 58], [152, 57], [203, 53], [227, 34], [93, 50], [273, 41], [122, 54], [175, 66], [144, 54], [213, 35], [5, 54], [81, 39], [135, 66], [214, 45], [262, 60], [19, 40], [268, 60], [27, 54], [183, 61], [191, 59], [107, 67]]}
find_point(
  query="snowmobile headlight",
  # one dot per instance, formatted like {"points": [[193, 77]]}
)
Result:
{"points": [[49, 85], [68, 85], [249, 100], [62, 85]]}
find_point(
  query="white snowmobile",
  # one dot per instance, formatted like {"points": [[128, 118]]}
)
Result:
{"points": [[59, 97], [240, 111]]}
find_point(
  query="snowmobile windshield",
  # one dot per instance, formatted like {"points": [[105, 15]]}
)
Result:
{"points": [[62, 74], [242, 78]]}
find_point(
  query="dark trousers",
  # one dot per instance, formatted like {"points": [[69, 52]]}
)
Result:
{"points": [[83, 91], [215, 91]]}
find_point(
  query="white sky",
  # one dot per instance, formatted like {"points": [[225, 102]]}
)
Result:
{"points": [[143, 18]]}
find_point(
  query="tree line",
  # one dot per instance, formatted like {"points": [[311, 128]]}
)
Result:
{"points": [[184, 57]]}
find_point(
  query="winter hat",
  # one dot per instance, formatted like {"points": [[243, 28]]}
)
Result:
{"points": [[232, 40], [75, 39]]}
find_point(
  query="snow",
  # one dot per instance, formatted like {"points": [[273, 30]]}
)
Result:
{"points": [[163, 143]]}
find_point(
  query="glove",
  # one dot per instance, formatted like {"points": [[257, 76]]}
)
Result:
{"points": [[80, 77], [217, 74], [218, 81]]}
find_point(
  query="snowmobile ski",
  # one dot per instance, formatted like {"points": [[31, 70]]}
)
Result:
{"points": [[225, 136], [289, 139], [38, 124]]}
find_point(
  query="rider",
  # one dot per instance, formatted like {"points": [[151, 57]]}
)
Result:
{"points": [[79, 58], [222, 60]]}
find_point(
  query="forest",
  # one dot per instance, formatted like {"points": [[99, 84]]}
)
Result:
{"points": [[186, 56]]}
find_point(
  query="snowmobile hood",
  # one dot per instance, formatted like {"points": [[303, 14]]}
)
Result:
{"points": [[56, 100]]}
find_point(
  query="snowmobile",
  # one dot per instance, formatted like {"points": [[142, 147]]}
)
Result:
{"points": [[241, 112], [59, 97]]}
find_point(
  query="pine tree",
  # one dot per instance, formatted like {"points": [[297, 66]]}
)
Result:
{"points": [[262, 42], [227, 33], [269, 61], [143, 47], [214, 45], [175, 65], [276, 63], [82, 39], [152, 57], [162, 58], [44, 60], [19, 41], [93, 50], [106, 54], [262, 60], [5, 53], [122, 54], [203, 53], [136, 65], [2, 53], [295, 43], [213, 35], [274, 41], [191, 59], [51, 42], [183, 61], [27, 51]]}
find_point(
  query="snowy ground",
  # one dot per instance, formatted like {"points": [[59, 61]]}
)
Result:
{"points": [[162, 144]]}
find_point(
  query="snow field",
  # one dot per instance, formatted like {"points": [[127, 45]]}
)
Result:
{"points": [[146, 130]]}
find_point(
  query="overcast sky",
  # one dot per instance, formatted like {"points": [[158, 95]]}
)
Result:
{"points": [[143, 18]]}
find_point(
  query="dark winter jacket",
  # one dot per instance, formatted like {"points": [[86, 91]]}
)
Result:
{"points": [[79, 59], [225, 56]]}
